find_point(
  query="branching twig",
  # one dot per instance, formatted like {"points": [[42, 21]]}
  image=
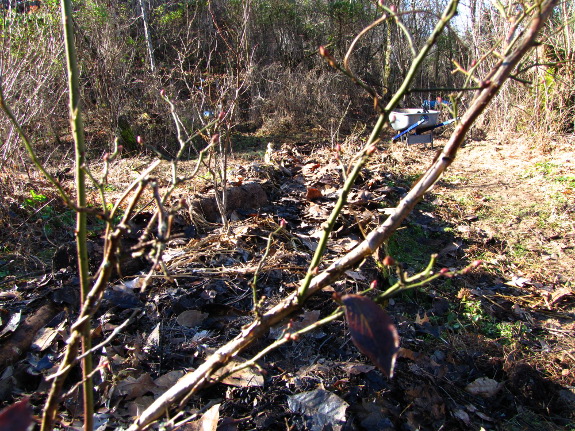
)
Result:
{"points": [[192, 382], [89, 308], [254, 283]]}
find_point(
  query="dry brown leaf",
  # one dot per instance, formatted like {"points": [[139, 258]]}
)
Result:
{"points": [[133, 388], [355, 275], [46, 336], [191, 318], [152, 340], [308, 318], [208, 422], [168, 380], [484, 387], [485, 417], [421, 320], [407, 353], [247, 377], [137, 406], [356, 369], [313, 193], [463, 416], [12, 324], [560, 294]]}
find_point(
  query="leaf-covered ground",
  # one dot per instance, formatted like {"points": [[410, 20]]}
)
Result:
{"points": [[489, 349]]}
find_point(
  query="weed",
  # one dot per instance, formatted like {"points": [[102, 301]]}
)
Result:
{"points": [[456, 179], [464, 201], [34, 200], [546, 168], [510, 331], [472, 310], [568, 180], [518, 250]]}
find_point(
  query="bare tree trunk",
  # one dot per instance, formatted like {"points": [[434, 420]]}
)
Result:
{"points": [[147, 36]]}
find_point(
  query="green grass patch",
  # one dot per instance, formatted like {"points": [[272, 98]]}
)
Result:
{"points": [[409, 246], [251, 147]]}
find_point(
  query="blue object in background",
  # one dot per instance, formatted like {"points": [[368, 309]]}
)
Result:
{"points": [[433, 104]]}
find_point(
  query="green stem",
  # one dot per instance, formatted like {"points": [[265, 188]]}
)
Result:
{"points": [[330, 222], [254, 283], [448, 13], [286, 337], [81, 219]]}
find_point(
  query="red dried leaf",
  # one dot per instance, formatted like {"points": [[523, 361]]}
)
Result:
{"points": [[372, 331], [313, 193], [17, 417]]}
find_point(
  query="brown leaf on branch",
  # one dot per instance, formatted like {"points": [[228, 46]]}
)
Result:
{"points": [[372, 331], [16, 417]]}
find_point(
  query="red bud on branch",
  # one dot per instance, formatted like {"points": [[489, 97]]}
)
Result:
{"points": [[446, 273], [388, 261], [325, 54]]}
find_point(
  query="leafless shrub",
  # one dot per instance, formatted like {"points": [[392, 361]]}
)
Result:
{"points": [[300, 98], [32, 79]]}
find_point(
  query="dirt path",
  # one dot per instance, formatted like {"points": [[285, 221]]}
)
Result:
{"points": [[521, 198]]}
